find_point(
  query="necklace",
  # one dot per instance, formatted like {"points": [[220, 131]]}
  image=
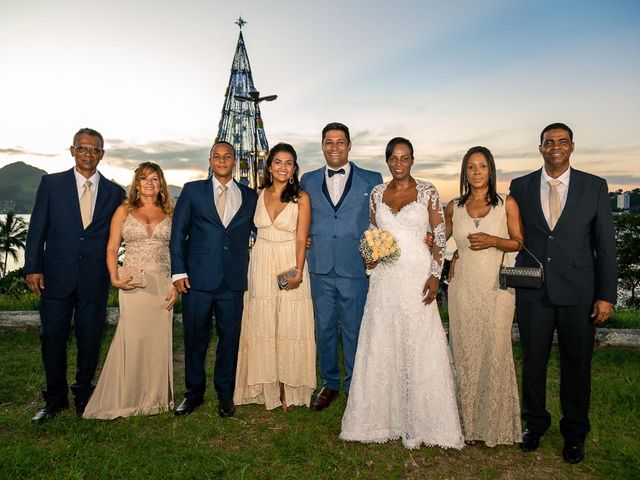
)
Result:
{"points": [[476, 221]]}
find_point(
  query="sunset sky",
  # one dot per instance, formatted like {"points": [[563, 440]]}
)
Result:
{"points": [[151, 76]]}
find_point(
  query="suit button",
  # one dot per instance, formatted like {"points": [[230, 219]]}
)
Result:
{"points": [[335, 236], [226, 248], [335, 216], [81, 238], [548, 260], [550, 237]]}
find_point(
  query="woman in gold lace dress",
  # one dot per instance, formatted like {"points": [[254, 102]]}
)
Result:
{"points": [[137, 377], [484, 225], [276, 360]]}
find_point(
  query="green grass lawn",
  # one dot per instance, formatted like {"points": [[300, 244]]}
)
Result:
{"points": [[257, 444]]}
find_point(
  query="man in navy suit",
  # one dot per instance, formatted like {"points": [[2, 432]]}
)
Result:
{"points": [[212, 222], [339, 215], [65, 263], [568, 226]]}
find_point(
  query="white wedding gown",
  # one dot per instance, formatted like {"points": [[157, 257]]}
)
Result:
{"points": [[403, 384]]}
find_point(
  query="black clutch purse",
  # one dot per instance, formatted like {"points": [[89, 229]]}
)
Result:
{"points": [[521, 277]]}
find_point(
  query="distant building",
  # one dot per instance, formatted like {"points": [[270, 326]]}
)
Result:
{"points": [[623, 201]]}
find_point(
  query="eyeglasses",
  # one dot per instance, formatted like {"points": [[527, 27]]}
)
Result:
{"points": [[80, 149]]}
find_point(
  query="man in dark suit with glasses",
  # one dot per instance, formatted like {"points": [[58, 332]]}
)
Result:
{"points": [[65, 263]]}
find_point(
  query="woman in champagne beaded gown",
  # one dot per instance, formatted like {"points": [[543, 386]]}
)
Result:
{"points": [[137, 377], [276, 360], [484, 225], [403, 384]]}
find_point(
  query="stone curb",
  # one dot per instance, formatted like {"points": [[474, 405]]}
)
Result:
{"points": [[614, 337]]}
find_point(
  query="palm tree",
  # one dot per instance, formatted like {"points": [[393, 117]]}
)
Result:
{"points": [[13, 234]]}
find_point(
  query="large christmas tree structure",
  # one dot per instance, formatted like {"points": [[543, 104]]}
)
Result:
{"points": [[241, 124]]}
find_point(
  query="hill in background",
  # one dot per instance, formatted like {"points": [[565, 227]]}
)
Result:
{"points": [[19, 183]]}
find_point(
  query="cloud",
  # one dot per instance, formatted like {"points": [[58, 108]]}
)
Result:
{"points": [[175, 155], [623, 179], [608, 150], [23, 151], [367, 151]]}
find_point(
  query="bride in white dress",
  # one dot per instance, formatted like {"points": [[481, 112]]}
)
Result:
{"points": [[403, 384]]}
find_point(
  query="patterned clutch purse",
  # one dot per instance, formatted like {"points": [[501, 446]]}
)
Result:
{"points": [[137, 276], [521, 277], [283, 278]]}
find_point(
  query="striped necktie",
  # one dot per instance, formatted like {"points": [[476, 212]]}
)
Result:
{"points": [[221, 203], [85, 204], [554, 202]]}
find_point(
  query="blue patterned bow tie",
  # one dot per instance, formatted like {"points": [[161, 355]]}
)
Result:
{"points": [[331, 173]]}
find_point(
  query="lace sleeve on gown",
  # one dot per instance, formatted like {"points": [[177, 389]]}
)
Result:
{"points": [[374, 199], [428, 196]]}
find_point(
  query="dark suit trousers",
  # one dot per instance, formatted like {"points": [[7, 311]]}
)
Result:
{"points": [[576, 332], [89, 320], [198, 307]]}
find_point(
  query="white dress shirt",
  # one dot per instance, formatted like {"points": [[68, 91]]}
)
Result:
{"points": [[336, 183], [234, 199], [80, 181], [563, 189]]}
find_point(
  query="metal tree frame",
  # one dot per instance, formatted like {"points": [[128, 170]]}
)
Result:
{"points": [[241, 123]]}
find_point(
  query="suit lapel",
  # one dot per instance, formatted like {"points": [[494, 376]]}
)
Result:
{"points": [[318, 183], [104, 189], [208, 199], [351, 192], [325, 191], [347, 188], [70, 192], [574, 193], [243, 204], [534, 195]]}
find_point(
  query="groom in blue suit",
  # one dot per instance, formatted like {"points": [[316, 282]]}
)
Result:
{"points": [[65, 263], [212, 222], [339, 215]]}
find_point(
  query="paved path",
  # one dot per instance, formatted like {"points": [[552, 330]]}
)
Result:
{"points": [[617, 337]]}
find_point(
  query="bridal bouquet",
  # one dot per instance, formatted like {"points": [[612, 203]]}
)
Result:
{"points": [[377, 245]]}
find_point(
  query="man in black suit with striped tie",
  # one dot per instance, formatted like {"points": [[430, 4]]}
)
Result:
{"points": [[568, 225], [65, 263]]}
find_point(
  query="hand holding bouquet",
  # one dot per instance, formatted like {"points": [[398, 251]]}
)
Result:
{"points": [[378, 246]]}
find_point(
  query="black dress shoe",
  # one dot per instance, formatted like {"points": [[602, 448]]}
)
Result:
{"points": [[81, 404], [530, 441], [324, 399], [573, 452], [47, 413], [187, 406], [226, 408]]}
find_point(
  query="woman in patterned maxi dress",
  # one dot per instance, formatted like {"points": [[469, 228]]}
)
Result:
{"points": [[484, 225], [276, 360]]}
